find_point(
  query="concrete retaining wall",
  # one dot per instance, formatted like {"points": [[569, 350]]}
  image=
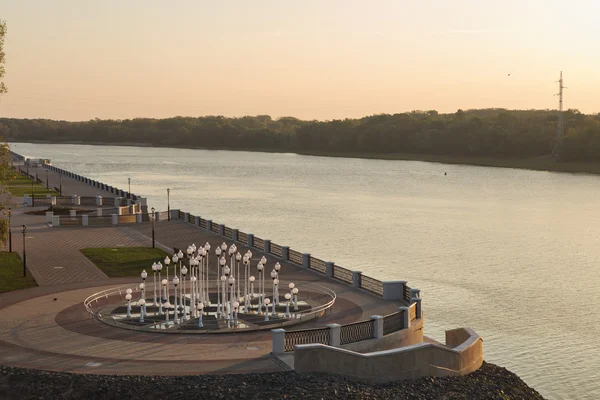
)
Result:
{"points": [[401, 338], [411, 362]]}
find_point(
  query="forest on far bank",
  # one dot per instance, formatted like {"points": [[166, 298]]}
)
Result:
{"points": [[497, 133]]}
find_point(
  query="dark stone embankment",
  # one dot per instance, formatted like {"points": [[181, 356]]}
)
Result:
{"points": [[489, 382]]}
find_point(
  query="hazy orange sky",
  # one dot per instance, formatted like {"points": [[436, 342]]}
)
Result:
{"points": [[78, 60]]}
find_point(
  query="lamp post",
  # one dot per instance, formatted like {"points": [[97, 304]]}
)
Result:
{"points": [[167, 306], [174, 258], [224, 292], [193, 297], [153, 218], [142, 304], [267, 301], [231, 282], [277, 268], [287, 306], [221, 294], [167, 262], [238, 257], [295, 292], [200, 308], [184, 315], [142, 288], [260, 286], [274, 277], [206, 252], [251, 295], [275, 286], [9, 231], [175, 283], [159, 268], [128, 298], [166, 298], [236, 306], [24, 227], [154, 269], [144, 275], [168, 205]]}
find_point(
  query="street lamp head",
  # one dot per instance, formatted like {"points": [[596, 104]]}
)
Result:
{"points": [[204, 251], [267, 301], [24, 227], [223, 246], [236, 304], [249, 254], [152, 209], [238, 256], [295, 290], [291, 285], [164, 282], [154, 266], [184, 270], [128, 297], [273, 274], [175, 258], [194, 247], [142, 286], [276, 281], [218, 251], [222, 261], [233, 247], [288, 296], [159, 266], [167, 260], [226, 270], [144, 274], [263, 259], [207, 246], [190, 250], [180, 254], [200, 306], [223, 278], [167, 305], [193, 279], [252, 279], [129, 291], [259, 267], [141, 302], [246, 259], [176, 280], [277, 267], [168, 191], [231, 280], [230, 251]]}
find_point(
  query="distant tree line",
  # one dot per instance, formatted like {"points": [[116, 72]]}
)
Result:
{"points": [[489, 133]]}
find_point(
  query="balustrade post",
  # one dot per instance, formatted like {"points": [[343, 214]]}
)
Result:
{"points": [[334, 334], [250, 240], [418, 306], [55, 220], [221, 230], [393, 290], [377, 326], [98, 200], [99, 212], [235, 235], [115, 219], [186, 217], [415, 293], [49, 216], [285, 252], [84, 220], [356, 276], [405, 317], [267, 246], [305, 260], [329, 269], [197, 221], [209, 225], [278, 341], [138, 218]]}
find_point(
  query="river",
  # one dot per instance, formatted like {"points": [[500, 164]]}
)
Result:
{"points": [[513, 254]]}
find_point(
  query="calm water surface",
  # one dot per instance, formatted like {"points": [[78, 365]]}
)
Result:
{"points": [[513, 254]]}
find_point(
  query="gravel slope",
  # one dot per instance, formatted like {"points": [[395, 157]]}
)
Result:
{"points": [[489, 382]]}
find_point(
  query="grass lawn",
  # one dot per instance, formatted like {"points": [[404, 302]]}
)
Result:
{"points": [[11, 273], [21, 185], [124, 261]]}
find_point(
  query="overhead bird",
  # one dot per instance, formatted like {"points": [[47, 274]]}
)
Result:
{"points": [[508, 74]]}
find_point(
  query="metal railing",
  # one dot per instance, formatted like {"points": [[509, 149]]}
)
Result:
{"points": [[406, 294], [317, 264], [259, 243], [342, 274], [295, 256], [357, 332], [228, 232], [203, 223], [243, 237], [99, 220], [214, 228], [306, 336], [276, 250], [181, 215], [191, 219], [372, 285], [393, 322]]}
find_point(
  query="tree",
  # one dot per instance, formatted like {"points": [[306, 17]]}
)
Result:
{"points": [[2, 58]]}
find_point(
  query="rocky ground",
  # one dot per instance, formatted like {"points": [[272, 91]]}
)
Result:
{"points": [[489, 382]]}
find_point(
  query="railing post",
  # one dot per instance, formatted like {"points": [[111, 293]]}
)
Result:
{"points": [[49, 216], [119, 211], [377, 326], [84, 220], [329, 269], [306, 260], [356, 276], [186, 217], [55, 220], [334, 334], [415, 293], [250, 240], [285, 252], [138, 218], [117, 201], [278, 341], [99, 212], [221, 230], [98, 200], [405, 317], [115, 219], [267, 246], [197, 221], [418, 306], [209, 225], [235, 234], [72, 214], [175, 215], [74, 199], [393, 290]]}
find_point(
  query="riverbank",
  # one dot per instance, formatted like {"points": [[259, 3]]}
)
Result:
{"points": [[541, 163], [489, 382]]}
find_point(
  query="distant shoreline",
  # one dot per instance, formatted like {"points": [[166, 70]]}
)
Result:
{"points": [[542, 163]]}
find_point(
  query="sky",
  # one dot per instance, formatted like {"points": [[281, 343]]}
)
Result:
{"points": [[78, 60]]}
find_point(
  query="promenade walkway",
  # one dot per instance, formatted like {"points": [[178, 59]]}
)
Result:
{"points": [[48, 327]]}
